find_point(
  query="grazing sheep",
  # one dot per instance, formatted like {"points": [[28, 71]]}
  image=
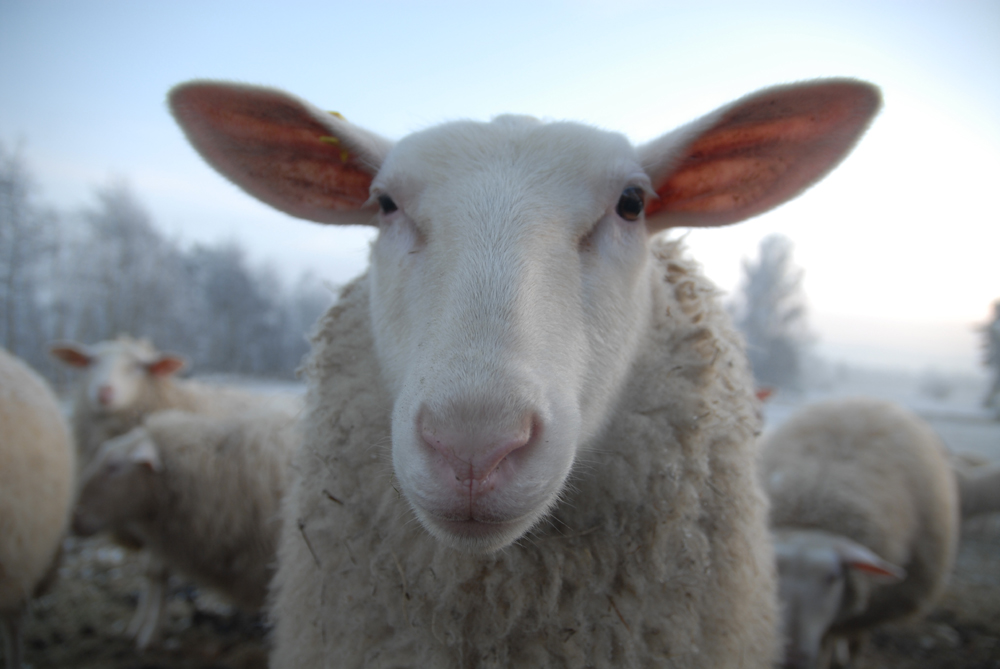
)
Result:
{"points": [[865, 514], [36, 486], [201, 493], [126, 379], [569, 411]]}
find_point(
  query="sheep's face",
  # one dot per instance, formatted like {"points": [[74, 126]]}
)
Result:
{"points": [[117, 487], [823, 579], [117, 371], [509, 278], [509, 295]]}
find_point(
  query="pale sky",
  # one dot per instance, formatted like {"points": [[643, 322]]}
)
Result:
{"points": [[900, 245]]}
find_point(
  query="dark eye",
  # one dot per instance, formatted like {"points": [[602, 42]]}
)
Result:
{"points": [[630, 203], [387, 205]]}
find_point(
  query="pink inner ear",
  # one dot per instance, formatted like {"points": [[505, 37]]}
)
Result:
{"points": [[876, 569], [763, 152], [72, 356], [273, 147], [165, 366]]}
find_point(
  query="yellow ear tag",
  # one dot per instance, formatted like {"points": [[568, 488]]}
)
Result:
{"points": [[337, 114]]}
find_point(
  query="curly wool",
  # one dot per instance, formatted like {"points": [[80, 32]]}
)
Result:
{"points": [[656, 554], [215, 504]]}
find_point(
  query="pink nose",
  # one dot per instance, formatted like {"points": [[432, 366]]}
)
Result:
{"points": [[104, 395], [473, 454]]}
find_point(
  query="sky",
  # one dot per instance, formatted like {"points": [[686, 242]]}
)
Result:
{"points": [[899, 245]]}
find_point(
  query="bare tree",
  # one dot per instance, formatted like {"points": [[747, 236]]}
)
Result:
{"points": [[26, 239], [991, 358], [771, 314]]}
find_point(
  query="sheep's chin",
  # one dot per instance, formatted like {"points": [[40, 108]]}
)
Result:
{"points": [[475, 536]]}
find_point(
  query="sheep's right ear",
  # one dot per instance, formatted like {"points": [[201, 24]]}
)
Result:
{"points": [[282, 150], [73, 354], [146, 454]]}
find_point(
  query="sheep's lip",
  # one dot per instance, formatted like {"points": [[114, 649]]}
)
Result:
{"points": [[473, 533]]}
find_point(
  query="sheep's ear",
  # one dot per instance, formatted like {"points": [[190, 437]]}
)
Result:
{"points": [[145, 454], [860, 558], [73, 354], [166, 364], [282, 150], [756, 153]]}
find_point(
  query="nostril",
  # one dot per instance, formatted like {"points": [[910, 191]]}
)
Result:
{"points": [[474, 453], [104, 395]]}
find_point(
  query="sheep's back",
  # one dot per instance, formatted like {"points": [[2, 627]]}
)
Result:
{"points": [[875, 473]]}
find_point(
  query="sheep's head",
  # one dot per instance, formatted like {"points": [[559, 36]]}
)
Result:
{"points": [[117, 370], [116, 487], [823, 579], [510, 287]]}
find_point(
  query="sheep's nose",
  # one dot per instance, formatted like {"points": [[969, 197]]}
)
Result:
{"points": [[105, 395], [474, 453]]}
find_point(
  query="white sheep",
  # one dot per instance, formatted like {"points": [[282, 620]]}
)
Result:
{"points": [[37, 471], [125, 380], [569, 411], [865, 513], [202, 494]]}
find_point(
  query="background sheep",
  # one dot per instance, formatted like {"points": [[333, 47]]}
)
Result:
{"points": [[516, 320], [36, 486], [201, 493], [126, 379], [865, 513]]}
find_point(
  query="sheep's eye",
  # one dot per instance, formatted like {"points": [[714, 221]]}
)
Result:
{"points": [[630, 203], [387, 205]]}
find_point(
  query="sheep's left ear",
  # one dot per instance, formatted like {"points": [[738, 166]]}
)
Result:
{"points": [[166, 364], [861, 558], [305, 162], [756, 153]]}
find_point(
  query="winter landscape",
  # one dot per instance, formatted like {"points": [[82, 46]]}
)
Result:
{"points": [[881, 281]]}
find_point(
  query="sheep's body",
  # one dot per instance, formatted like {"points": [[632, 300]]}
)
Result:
{"points": [[872, 473], [569, 412], [201, 493], [124, 381], [36, 485], [629, 571]]}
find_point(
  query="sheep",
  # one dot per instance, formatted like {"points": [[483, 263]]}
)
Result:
{"points": [[864, 510], [126, 379], [201, 493], [528, 438], [37, 470]]}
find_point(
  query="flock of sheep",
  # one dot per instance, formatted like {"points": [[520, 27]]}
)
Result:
{"points": [[530, 436]]}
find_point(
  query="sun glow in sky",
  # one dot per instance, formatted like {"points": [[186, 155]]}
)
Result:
{"points": [[900, 245]]}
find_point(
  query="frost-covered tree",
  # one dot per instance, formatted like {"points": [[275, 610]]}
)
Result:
{"points": [[27, 241], [770, 311], [991, 358]]}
